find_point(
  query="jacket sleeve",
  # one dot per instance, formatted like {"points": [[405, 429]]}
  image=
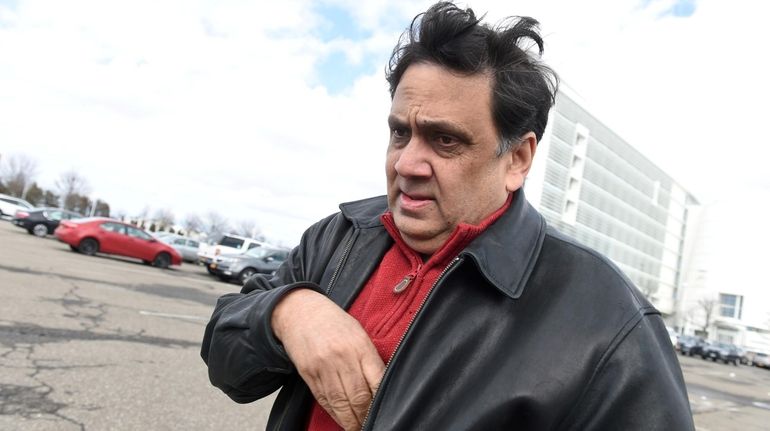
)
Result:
{"points": [[244, 358], [638, 385]]}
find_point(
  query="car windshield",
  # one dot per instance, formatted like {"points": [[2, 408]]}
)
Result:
{"points": [[228, 241], [258, 252]]}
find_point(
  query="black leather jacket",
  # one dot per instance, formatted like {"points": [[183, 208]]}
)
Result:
{"points": [[525, 330]]}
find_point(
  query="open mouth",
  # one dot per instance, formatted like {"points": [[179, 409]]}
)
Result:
{"points": [[413, 202]]}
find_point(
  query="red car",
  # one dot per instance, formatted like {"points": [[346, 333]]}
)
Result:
{"points": [[103, 235]]}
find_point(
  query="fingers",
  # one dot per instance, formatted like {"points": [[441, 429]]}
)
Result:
{"points": [[358, 394], [372, 368], [345, 403], [332, 353]]}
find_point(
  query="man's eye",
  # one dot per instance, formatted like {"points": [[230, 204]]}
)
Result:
{"points": [[399, 132], [446, 140]]}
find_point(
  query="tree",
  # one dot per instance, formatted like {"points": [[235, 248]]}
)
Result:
{"points": [[73, 188], [17, 173], [707, 306], [51, 199], [164, 217], [215, 226], [35, 195], [192, 223], [102, 208], [247, 228], [78, 203]]}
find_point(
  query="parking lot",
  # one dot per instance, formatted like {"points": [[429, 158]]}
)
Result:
{"points": [[103, 343]]}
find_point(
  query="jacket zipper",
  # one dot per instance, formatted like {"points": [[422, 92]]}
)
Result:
{"points": [[344, 257], [407, 280], [403, 336]]}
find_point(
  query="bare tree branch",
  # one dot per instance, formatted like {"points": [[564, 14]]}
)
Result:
{"points": [[164, 217], [707, 307], [192, 223], [215, 226], [73, 189], [17, 173]]}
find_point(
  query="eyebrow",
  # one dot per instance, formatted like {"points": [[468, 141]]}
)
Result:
{"points": [[446, 126]]}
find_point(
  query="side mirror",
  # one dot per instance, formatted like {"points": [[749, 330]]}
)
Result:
{"points": [[269, 259], [153, 240]]}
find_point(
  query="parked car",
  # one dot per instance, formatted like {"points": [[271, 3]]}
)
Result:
{"points": [[719, 351], [9, 205], [690, 345], [187, 247], [761, 360], [743, 355], [229, 244], [242, 266], [43, 221], [103, 235]]}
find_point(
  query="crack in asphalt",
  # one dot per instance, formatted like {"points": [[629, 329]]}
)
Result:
{"points": [[31, 402], [156, 289], [19, 340], [26, 333]]}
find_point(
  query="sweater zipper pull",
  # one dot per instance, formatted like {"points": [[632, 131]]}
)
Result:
{"points": [[403, 284]]}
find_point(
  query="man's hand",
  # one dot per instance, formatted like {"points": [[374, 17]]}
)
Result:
{"points": [[332, 353]]}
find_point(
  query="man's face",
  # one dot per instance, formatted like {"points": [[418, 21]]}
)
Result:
{"points": [[442, 167]]}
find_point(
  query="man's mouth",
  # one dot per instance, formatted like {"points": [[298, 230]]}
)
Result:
{"points": [[414, 201]]}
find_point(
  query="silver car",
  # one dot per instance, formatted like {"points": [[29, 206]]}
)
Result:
{"points": [[242, 266], [187, 247]]}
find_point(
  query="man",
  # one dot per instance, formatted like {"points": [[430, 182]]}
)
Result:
{"points": [[450, 305]]}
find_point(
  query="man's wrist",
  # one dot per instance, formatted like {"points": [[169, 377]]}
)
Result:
{"points": [[283, 309]]}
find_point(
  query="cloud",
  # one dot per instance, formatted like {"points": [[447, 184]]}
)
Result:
{"points": [[276, 111]]}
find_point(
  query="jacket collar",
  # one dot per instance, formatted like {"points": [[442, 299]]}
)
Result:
{"points": [[505, 253]]}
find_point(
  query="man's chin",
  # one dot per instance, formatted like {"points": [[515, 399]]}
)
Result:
{"points": [[421, 235]]}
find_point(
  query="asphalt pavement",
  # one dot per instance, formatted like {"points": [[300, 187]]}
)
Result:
{"points": [[104, 343]]}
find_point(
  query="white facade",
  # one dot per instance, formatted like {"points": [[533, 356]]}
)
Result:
{"points": [[595, 187], [727, 272]]}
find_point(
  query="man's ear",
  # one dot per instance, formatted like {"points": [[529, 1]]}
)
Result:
{"points": [[520, 161]]}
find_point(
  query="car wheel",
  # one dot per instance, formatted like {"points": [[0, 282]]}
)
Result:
{"points": [[88, 246], [162, 261], [40, 230], [246, 274]]}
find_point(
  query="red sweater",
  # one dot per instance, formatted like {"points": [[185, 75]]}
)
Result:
{"points": [[396, 290]]}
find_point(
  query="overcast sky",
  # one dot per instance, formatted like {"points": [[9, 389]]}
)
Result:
{"points": [[276, 111]]}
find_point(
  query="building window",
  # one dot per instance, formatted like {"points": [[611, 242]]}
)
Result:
{"points": [[730, 305]]}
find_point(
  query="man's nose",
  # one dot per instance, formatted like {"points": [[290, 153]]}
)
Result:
{"points": [[414, 159]]}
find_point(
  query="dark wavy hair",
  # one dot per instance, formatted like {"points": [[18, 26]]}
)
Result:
{"points": [[523, 89]]}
